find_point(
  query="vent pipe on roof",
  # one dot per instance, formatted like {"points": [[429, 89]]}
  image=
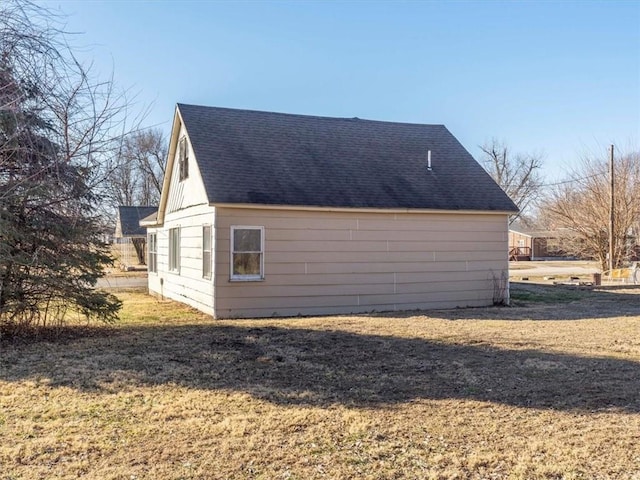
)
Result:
{"points": [[429, 160]]}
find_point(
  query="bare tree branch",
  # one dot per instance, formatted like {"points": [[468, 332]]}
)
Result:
{"points": [[138, 171], [580, 209], [518, 175]]}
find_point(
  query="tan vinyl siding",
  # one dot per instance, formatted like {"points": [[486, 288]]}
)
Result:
{"points": [[318, 262]]}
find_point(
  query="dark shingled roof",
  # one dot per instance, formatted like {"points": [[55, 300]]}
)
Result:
{"points": [[266, 158], [129, 218]]}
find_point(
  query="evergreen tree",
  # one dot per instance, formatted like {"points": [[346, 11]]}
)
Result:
{"points": [[54, 126]]}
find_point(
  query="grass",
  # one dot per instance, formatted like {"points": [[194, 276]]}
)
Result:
{"points": [[544, 390], [525, 293]]}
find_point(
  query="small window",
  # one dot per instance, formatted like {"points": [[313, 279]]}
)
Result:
{"points": [[247, 253], [153, 253], [521, 243], [206, 251], [174, 250], [183, 159]]}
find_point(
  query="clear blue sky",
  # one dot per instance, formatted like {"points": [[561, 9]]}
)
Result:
{"points": [[561, 78]]}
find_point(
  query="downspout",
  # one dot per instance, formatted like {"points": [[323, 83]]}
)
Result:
{"points": [[214, 254], [507, 292]]}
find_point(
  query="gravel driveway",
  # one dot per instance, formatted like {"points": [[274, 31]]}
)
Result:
{"points": [[552, 268], [124, 281]]}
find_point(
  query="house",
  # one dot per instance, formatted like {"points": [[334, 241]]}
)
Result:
{"points": [[129, 237], [528, 244], [270, 214]]}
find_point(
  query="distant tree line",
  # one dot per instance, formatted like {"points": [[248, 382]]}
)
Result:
{"points": [[577, 208]]}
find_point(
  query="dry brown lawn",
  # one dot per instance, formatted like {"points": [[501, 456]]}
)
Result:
{"points": [[546, 389]]}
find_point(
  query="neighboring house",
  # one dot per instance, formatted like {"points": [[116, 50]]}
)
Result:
{"points": [[270, 214], [130, 237], [525, 244]]}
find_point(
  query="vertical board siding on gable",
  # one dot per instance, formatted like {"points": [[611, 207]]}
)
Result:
{"points": [[187, 286], [321, 262], [189, 192]]}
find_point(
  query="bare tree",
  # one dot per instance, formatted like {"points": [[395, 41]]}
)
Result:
{"points": [[579, 209], [517, 174], [59, 126], [138, 171]]}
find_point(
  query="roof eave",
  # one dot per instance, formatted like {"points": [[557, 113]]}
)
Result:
{"points": [[360, 209], [173, 141], [149, 223]]}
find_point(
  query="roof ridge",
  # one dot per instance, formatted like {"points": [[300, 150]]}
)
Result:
{"points": [[298, 115]]}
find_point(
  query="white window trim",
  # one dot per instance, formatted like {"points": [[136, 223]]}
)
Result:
{"points": [[178, 252], [152, 252], [246, 278], [207, 277]]}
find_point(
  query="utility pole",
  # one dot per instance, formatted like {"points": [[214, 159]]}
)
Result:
{"points": [[611, 212]]}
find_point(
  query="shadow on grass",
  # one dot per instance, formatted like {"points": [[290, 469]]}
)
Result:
{"points": [[322, 367]]}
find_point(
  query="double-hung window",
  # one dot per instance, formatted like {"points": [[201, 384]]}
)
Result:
{"points": [[206, 251], [183, 159], [153, 253], [247, 253], [174, 250]]}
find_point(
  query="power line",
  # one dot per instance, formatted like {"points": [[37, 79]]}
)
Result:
{"points": [[573, 180]]}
